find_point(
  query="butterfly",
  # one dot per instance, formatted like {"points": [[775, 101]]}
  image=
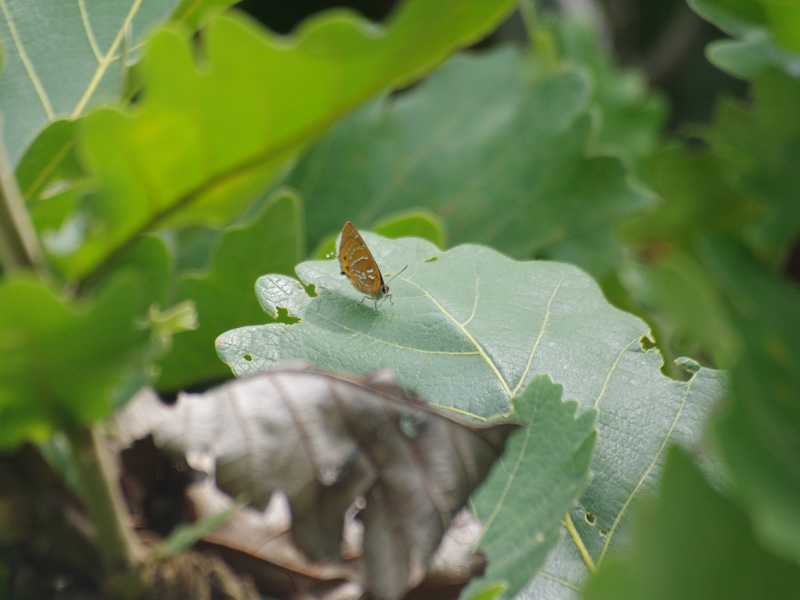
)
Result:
{"points": [[357, 263]]}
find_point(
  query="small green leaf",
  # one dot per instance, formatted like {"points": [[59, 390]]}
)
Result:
{"points": [[413, 223], [541, 476], [185, 536], [416, 223], [489, 592], [196, 13], [691, 542]]}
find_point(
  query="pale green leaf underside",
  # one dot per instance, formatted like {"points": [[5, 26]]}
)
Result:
{"points": [[468, 330], [58, 57], [485, 322]]}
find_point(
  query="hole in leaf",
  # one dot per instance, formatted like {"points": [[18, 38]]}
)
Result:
{"points": [[248, 357], [285, 317], [603, 531], [591, 518], [647, 343]]}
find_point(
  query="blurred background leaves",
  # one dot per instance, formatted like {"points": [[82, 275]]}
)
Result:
{"points": [[172, 158]]}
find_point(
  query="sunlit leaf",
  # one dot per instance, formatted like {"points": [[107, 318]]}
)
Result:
{"points": [[209, 133]]}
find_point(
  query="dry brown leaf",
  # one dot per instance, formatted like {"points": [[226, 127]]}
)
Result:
{"points": [[327, 441]]}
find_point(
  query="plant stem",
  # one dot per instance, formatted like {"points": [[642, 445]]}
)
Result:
{"points": [[539, 37], [122, 553], [19, 244]]}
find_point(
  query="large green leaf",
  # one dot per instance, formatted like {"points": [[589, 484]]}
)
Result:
{"points": [[224, 294], [631, 116], [195, 12], [691, 542], [469, 329], [60, 57], [61, 363], [767, 35], [760, 429], [493, 146], [204, 140]]}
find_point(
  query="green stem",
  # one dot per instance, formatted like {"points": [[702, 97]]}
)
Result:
{"points": [[540, 38], [19, 244], [122, 553]]}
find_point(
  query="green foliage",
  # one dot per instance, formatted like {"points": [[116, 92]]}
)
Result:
{"points": [[413, 223], [548, 153], [62, 363], [224, 294], [767, 35], [692, 542], [759, 426], [629, 116], [493, 144], [193, 151], [469, 331]]}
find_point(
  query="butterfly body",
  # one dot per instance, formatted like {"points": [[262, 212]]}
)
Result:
{"points": [[359, 266]]}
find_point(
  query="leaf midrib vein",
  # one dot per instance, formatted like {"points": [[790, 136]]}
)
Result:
{"points": [[469, 336]]}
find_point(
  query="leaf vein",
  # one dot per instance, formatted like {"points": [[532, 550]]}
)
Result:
{"points": [[611, 371], [89, 32], [509, 480], [647, 472], [105, 61], [26, 61], [538, 338], [469, 336]]}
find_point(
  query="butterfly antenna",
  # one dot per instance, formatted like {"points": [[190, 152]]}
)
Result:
{"points": [[396, 274]]}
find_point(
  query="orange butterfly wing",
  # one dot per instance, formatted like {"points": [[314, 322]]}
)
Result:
{"points": [[357, 263]]}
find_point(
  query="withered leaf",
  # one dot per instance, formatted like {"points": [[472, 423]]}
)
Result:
{"points": [[329, 441]]}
